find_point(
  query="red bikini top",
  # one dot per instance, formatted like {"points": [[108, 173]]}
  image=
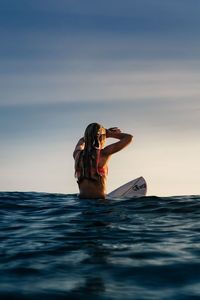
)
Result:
{"points": [[102, 171]]}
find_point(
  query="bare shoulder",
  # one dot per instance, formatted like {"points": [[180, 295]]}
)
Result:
{"points": [[79, 147]]}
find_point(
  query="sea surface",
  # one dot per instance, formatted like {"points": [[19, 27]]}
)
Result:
{"points": [[56, 246]]}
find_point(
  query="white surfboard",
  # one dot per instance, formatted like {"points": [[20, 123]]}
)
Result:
{"points": [[133, 188]]}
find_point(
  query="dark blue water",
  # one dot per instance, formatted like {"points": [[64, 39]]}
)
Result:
{"points": [[55, 246]]}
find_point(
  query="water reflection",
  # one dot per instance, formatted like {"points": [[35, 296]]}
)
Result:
{"points": [[94, 229]]}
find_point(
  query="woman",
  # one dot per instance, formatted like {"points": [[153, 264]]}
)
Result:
{"points": [[91, 158]]}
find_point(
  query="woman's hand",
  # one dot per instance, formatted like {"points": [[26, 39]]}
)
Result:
{"points": [[112, 131]]}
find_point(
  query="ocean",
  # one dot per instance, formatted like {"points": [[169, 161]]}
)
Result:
{"points": [[56, 246]]}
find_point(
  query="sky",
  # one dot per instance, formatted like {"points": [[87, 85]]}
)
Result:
{"points": [[134, 64]]}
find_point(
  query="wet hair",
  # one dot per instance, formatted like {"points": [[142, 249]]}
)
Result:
{"points": [[87, 163], [91, 136]]}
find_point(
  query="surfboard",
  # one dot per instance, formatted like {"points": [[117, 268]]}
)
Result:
{"points": [[133, 188]]}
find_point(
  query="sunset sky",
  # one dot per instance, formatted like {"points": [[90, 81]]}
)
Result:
{"points": [[134, 64]]}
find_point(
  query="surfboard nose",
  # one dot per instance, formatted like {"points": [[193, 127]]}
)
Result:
{"points": [[133, 188]]}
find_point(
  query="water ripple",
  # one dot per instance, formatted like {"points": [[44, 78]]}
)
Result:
{"points": [[57, 246]]}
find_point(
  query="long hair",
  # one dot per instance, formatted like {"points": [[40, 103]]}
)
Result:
{"points": [[87, 162]]}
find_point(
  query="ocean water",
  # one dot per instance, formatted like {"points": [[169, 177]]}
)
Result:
{"points": [[56, 246]]}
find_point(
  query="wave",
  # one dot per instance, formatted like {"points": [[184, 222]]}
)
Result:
{"points": [[60, 246]]}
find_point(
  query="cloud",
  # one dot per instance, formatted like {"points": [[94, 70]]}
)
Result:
{"points": [[148, 117], [100, 80]]}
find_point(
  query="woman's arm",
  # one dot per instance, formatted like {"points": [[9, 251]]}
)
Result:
{"points": [[124, 140], [80, 146]]}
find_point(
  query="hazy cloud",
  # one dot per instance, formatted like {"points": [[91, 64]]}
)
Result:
{"points": [[101, 81]]}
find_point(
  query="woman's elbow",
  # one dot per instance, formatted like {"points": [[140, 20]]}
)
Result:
{"points": [[129, 138]]}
